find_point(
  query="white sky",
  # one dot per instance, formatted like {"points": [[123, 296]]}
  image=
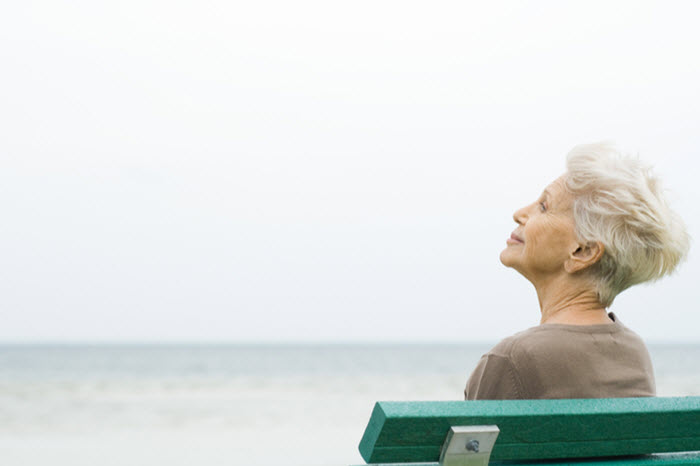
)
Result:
{"points": [[319, 171]]}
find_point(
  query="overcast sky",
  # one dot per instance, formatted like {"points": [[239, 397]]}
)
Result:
{"points": [[320, 171]]}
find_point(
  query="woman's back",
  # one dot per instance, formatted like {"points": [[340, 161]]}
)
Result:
{"points": [[565, 361]]}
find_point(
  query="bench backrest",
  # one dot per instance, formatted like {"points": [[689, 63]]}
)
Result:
{"points": [[536, 429]]}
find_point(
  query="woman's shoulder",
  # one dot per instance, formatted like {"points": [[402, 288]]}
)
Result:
{"points": [[514, 343], [547, 337]]}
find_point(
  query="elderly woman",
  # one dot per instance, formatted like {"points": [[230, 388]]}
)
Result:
{"points": [[600, 228]]}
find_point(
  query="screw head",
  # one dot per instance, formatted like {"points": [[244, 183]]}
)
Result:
{"points": [[473, 445]]}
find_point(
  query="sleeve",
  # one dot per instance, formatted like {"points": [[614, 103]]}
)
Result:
{"points": [[494, 378]]}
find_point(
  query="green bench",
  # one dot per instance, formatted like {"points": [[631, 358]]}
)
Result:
{"points": [[613, 431]]}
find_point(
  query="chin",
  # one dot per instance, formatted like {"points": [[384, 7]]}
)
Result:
{"points": [[511, 260], [505, 258]]}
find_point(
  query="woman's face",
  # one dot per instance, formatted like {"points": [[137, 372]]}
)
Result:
{"points": [[544, 238]]}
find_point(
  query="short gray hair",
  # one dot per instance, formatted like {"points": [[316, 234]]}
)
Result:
{"points": [[618, 202]]}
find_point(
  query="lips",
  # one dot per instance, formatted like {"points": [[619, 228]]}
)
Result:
{"points": [[516, 238]]}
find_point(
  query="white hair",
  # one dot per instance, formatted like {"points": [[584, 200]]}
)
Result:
{"points": [[618, 202]]}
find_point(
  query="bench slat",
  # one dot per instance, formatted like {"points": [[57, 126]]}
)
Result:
{"points": [[667, 459], [536, 429]]}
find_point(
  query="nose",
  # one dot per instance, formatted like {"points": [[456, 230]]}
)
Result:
{"points": [[520, 216]]}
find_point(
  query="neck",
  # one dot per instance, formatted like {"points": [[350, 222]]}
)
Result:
{"points": [[563, 301]]}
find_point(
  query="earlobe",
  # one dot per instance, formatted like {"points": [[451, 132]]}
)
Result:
{"points": [[584, 256]]}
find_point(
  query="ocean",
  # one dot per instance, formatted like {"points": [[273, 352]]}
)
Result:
{"points": [[214, 405]]}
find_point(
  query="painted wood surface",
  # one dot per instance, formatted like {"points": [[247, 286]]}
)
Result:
{"points": [[671, 459], [537, 429]]}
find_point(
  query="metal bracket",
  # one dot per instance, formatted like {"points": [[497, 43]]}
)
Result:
{"points": [[468, 445]]}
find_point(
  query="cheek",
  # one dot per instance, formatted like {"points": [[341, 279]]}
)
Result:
{"points": [[536, 237], [547, 243]]}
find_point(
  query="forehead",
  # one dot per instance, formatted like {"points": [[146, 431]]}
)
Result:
{"points": [[557, 193]]}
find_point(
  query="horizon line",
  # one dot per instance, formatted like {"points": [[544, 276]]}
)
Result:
{"points": [[192, 342]]}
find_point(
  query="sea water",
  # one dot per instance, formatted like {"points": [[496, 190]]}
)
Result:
{"points": [[230, 404]]}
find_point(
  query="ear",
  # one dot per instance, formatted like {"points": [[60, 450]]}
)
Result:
{"points": [[584, 256]]}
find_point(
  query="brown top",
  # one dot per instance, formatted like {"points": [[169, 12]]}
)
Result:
{"points": [[565, 361]]}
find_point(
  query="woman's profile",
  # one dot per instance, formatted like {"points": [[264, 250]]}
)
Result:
{"points": [[600, 228]]}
